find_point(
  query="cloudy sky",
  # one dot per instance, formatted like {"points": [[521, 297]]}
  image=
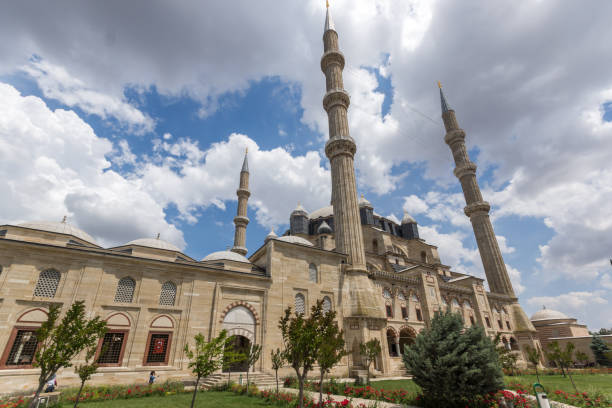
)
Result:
{"points": [[132, 118]]}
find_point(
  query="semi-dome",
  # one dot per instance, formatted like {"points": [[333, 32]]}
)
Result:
{"points": [[59, 227], [225, 256], [154, 243], [294, 240], [324, 228], [548, 314], [322, 212]]}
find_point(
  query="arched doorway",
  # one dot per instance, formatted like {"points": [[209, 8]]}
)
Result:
{"points": [[406, 337], [238, 345], [391, 342]]}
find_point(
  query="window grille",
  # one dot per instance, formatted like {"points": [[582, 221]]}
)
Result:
{"points": [[404, 312], [327, 304], [508, 325], [47, 284], [112, 345], [389, 311], [23, 348], [168, 294], [419, 315], [488, 322], [300, 304], [312, 272], [158, 348], [501, 326], [125, 290], [472, 321]]}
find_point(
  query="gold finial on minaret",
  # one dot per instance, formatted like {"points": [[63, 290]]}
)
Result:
{"points": [[326, 3], [439, 85], [158, 234], [246, 150], [64, 219]]}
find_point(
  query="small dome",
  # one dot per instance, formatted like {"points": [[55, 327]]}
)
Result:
{"points": [[324, 228], [154, 243], [364, 203], [299, 209], [407, 219], [58, 227], [294, 240], [225, 256], [322, 212], [548, 314], [271, 235]]}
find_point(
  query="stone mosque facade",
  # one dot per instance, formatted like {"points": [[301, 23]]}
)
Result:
{"points": [[381, 278]]}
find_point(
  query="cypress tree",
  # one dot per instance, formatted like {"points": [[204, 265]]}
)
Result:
{"points": [[600, 350], [453, 365]]}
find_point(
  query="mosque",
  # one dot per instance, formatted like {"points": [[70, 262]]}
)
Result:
{"points": [[381, 278]]}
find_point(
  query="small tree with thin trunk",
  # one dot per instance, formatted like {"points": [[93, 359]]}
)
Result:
{"points": [[332, 347], [534, 355], [278, 360], [231, 358], [553, 354], [86, 370], [566, 358], [302, 340], [370, 350], [59, 343], [206, 357], [251, 357]]}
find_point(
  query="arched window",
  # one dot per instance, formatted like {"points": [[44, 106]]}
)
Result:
{"points": [[300, 304], [455, 303], [414, 297], [423, 256], [386, 293], [47, 284], [312, 272], [327, 304], [401, 296], [444, 302], [125, 290], [168, 294], [467, 304]]}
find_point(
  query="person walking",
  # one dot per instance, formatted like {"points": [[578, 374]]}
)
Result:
{"points": [[51, 384], [152, 377]]}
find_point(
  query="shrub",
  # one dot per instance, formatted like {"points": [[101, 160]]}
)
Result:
{"points": [[453, 365]]}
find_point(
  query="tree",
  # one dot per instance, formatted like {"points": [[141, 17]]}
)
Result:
{"points": [[566, 358], [553, 354], [603, 331], [206, 357], [278, 360], [600, 348], [453, 365], [59, 344], [534, 355], [370, 350], [302, 339], [230, 358], [86, 370], [507, 358], [251, 357], [332, 347], [582, 357]]}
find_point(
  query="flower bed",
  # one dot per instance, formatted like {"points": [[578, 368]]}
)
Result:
{"points": [[405, 397], [578, 399], [17, 402], [105, 393]]}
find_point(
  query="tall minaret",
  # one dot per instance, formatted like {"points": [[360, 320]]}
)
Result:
{"points": [[477, 209], [359, 295], [340, 150], [241, 220]]}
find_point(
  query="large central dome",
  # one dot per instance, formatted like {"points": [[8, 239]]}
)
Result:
{"points": [[548, 314]]}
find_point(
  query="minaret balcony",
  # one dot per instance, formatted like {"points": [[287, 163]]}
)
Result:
{"points": [[332, 57], [241, 221], [243, 192], [336, 97], [477, 207], [465, 170], [340, 145]]}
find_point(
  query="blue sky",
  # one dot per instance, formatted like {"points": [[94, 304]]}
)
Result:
{"points": [[130, 135]]}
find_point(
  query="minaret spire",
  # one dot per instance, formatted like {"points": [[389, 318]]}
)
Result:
{"points": [[340, 150], [241, 220], [476, 209]]}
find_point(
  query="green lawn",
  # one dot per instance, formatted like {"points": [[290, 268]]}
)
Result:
{"points": [[203, 400], [584, 382]]}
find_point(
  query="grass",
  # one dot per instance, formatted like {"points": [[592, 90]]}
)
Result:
{"points": [[585, 383], [210, 399]]}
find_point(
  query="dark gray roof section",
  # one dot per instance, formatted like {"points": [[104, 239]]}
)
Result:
{"points": [[445, 107], [245, 163]]}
